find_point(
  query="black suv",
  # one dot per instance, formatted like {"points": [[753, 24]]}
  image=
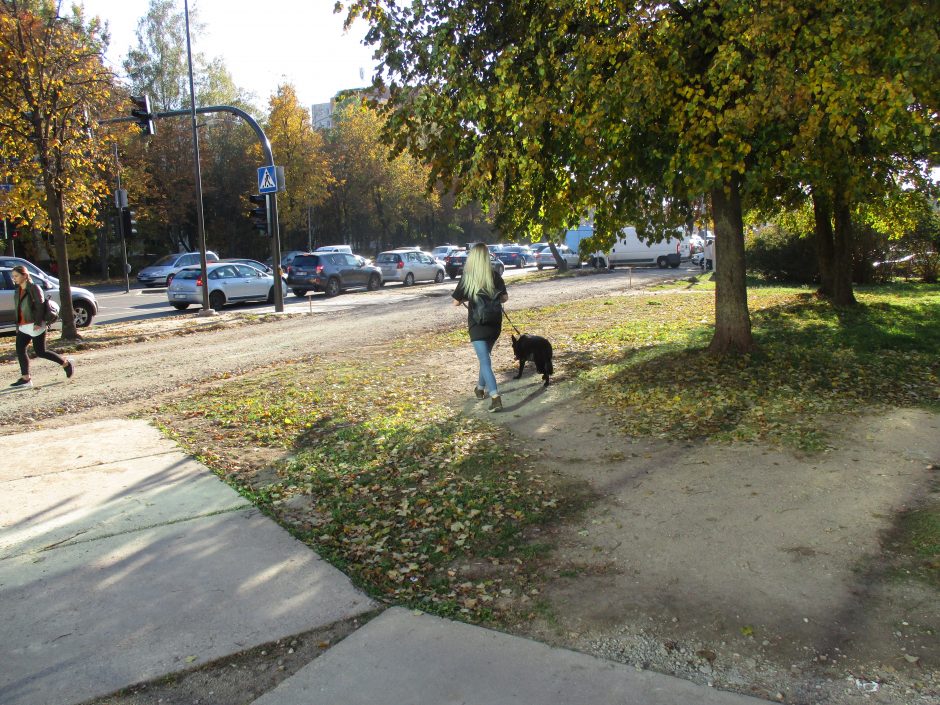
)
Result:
{"points": [[331, 272]]}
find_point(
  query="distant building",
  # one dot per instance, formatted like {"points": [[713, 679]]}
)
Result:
{"points": [[321, 114]]}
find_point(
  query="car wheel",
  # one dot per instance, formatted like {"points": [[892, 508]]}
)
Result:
{"points": [[332, 286], [439, 277], [169, 279], [181, 307], [674, 265], [270, 298], [374, 282], [83, 314], [216, 300], [452, 276], [520, 264], [662, 263], [299, 292], [539, 267], [409, 279]]}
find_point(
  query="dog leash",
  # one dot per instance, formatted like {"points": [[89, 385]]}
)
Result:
{"points": [[518, 332]]}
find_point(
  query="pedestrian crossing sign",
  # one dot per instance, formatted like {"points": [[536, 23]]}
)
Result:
{"points": [[267, 179]]}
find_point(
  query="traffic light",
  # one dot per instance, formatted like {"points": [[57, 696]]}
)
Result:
{"points": [[143, 113], [259, 216], [129, 221]]}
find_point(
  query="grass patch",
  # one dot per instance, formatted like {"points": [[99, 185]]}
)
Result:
{"points": [[386, 483], [647, 360]]}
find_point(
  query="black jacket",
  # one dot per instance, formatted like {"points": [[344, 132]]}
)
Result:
{"points": [[34, 310], [477, 331]]}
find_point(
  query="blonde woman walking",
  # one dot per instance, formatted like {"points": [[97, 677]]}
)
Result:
{"points": [[29, 304], [484, 292]]}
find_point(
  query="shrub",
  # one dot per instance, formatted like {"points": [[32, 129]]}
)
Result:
{"points": [[781, 255]]}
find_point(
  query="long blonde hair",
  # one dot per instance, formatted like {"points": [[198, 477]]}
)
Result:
{"points": [[477, 273]]}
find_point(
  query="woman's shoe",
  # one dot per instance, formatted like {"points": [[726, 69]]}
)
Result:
{"points": [[22, 383], [481, 394], [69, 369], [496, 404]]}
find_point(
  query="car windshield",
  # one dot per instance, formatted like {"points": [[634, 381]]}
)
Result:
{"points": [[188, 274], [305, 261], [165, 261], [387, 258]]}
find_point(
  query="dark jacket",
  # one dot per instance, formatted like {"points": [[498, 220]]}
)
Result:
{"points": [[33, 304], [477, 331]]}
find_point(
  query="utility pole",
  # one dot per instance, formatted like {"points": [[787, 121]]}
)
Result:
{"points": [[120, 201], [206, 311]]}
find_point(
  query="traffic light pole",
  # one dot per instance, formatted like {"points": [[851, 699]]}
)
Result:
{"points": [[120, 223], [268, 155]]}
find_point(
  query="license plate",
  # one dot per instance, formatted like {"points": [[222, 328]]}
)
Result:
{"points": [[179, 296]]}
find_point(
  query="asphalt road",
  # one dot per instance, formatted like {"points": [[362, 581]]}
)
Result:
{"points": [[141, 304]]}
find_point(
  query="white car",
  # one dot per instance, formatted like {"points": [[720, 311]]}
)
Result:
{"points": [[229, 282], [409, 266], [545, 258], [161, 272]]}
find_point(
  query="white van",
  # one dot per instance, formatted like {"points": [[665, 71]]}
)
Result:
{"points": [[630, 250]]}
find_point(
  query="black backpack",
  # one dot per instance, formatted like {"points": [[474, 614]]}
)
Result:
{"points": [[486, 310]]}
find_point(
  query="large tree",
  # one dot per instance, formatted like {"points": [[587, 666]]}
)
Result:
{"points": [[160, 171], [54, 84], [300, 150], [547, 108]]}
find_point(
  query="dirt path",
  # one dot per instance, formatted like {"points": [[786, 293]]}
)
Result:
{"points": [[750, 568]]}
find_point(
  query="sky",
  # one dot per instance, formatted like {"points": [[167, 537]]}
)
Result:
{"points": [[263, 44]]}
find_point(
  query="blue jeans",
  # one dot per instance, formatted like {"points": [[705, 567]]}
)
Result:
{"points": [[486, 380]]}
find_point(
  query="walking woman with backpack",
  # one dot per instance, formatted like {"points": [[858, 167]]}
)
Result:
{"points": [[29, 304], [483, 292]]}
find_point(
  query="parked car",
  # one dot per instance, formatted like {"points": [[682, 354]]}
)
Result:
{"points": [[453, 265], [229, 282], [335, 248], [409, 266], [441, 251], [83, 301], [331, 272], [267, 269], [516, 256], [160, 272], [35, 271], [545, 258]]}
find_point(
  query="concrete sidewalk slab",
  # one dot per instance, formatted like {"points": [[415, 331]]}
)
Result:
{"points": [[403, 658], [125, 561], [105, 500]]}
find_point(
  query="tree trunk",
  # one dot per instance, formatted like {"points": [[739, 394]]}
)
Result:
{"points": [[842, 294], [732, 320], [560, 264], [55, 212], [822, 213]]}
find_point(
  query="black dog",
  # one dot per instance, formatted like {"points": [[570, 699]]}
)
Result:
{"points": [[532, 347]]}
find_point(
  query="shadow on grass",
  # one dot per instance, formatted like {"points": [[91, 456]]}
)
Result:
{"points": [[811, 360]]}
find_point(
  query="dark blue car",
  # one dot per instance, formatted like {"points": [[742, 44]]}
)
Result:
{"points": [[516, 256]]}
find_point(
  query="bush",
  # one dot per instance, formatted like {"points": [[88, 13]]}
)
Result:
{"points": [[781, 255]]}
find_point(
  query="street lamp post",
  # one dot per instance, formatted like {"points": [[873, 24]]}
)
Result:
{"points": [[206, 311]]}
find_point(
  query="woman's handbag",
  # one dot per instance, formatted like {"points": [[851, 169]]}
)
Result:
{"points": [[50, 312]]}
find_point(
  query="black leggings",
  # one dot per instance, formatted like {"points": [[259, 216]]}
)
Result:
{"points": [[39, 346]]}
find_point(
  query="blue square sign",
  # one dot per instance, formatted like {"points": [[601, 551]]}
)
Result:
{"points": [[267, 179]]}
